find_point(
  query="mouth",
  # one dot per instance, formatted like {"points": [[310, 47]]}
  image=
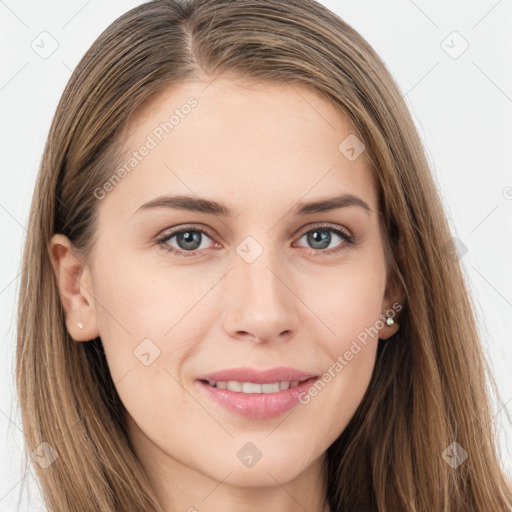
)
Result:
{"points": [[255, 400]]}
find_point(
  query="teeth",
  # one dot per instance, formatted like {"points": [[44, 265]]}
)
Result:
{"points": [[233, 385], [270, 388], [252, 387]]}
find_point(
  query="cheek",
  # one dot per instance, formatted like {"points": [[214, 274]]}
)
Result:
{"points": [[148, 322], [349, 301], [349, 304], [138, 301]]}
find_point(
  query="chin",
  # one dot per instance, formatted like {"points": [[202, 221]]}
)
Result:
{"points": [[265, 472]]}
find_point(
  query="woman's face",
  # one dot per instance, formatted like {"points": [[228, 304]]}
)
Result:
{"points": [[270, 284]]}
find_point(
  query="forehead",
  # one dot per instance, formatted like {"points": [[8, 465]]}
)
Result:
{"points": [[245, 140]]}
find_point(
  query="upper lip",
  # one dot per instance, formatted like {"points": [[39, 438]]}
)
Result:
{"points": [[247, 374]]}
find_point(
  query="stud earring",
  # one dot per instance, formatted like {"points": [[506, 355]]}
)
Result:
{"points": [[80, 325], [389, 321]]}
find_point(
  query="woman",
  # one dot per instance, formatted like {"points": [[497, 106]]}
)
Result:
{"points": [[239, 290]]}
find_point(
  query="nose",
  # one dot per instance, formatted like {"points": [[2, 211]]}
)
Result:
{"points": [[261, 303]]}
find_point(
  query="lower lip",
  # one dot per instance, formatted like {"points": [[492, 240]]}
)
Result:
{"points": [[258, 405]]}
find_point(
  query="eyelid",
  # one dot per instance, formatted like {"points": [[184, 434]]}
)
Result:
{"points": [[174, 230], [325, 225]]}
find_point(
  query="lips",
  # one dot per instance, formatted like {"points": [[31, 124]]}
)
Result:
{"points": [[247, 374], [254, 393]]}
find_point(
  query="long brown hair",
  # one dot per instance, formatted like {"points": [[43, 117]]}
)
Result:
{"points": [[428, 389]]}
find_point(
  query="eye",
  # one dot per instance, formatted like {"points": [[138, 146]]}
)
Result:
{"points": [[320, 238], [189, 240]]}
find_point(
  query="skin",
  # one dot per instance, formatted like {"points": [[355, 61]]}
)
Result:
{"points": [[260, 149]]}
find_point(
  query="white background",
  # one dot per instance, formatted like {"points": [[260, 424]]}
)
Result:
{"points": [[462, 107]]}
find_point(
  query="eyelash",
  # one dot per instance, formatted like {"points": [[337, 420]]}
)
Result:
{"points": [[347, 240]]}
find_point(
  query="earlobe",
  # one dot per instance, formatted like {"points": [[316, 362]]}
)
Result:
{"points": [[389, 328], [392, 306], [75, 289], [390, 317]]}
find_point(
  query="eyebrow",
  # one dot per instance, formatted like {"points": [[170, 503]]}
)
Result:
{"points": [[202, 205]]}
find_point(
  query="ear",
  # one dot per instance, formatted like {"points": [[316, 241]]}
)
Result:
{"points": [[75, 289], [392, 303]]}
